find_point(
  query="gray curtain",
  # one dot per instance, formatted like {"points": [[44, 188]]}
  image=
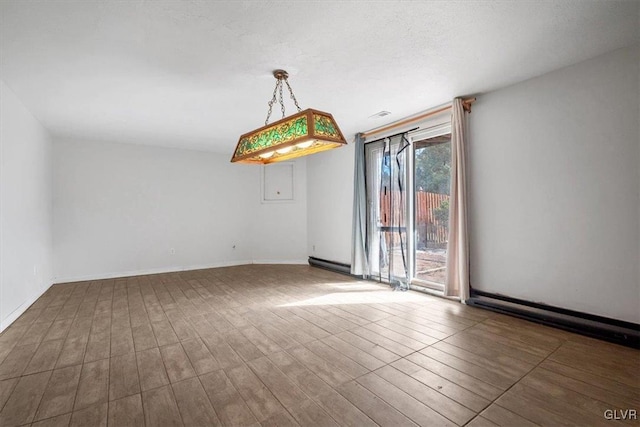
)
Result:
{"points": [[359, 261]]}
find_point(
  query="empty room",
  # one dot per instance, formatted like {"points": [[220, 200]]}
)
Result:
{"points": [[319, 213]]}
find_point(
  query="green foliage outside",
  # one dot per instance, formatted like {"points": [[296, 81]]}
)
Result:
{"points": [[433, 168]]}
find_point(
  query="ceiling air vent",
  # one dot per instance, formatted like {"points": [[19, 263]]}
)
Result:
{"points": [[379, 114]]}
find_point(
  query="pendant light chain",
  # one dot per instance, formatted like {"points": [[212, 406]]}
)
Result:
{"points": [[273, 101], [295, 101], [281, 98], [277, 92]]}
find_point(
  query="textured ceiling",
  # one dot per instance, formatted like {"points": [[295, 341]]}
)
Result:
{"points": [[197, 74]]}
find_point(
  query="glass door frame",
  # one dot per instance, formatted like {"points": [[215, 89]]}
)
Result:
{"points": [[438, 129], [419, 135], [374, 233]]}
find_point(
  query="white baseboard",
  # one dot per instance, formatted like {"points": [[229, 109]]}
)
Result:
{"points": [[100, 276], [279, 261], [4, 323]]}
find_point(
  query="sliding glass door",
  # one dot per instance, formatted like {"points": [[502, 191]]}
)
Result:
{"points": [[431, 173], [386, 209], [407, 184]]}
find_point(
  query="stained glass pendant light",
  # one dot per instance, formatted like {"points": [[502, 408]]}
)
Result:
{"points": [[306, 132]]}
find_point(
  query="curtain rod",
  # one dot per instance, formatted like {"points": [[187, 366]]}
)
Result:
{"points": [[466, 104], [391, 136]]}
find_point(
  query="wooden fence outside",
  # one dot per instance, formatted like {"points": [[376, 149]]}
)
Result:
{"points": [[429, 228]]}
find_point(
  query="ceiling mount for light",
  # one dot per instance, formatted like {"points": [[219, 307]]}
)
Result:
{"points": [[306, 132]]}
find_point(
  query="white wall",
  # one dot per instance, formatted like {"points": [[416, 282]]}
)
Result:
{"points": [[330, 204], [280, 233], [25, 208], [555, 188], [120, 209]]}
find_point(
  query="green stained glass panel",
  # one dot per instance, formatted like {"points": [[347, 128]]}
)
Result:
{"points": [[274, 135], [324, 126]]}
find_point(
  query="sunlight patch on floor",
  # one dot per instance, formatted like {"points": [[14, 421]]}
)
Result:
{"points": [[359, 286], [358, 297]]}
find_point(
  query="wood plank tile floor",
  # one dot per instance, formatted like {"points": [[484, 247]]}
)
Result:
{"points": [[296, 345]]}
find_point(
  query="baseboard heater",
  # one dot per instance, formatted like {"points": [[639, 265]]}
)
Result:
{"points": [[612, 330], [337, 267]]}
